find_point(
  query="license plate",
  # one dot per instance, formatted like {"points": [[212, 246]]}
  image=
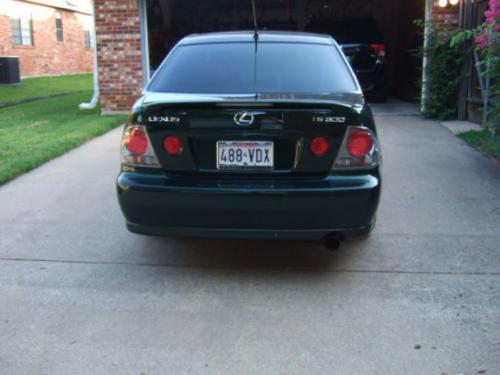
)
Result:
{"points": [[245, 155]]}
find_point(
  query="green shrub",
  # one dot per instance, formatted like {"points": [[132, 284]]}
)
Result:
{"points": [[444, 72]]}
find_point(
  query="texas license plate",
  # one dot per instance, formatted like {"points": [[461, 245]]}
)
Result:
{"points": [[245, 155]]}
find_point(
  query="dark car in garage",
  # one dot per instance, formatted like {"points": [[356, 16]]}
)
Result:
{"points": [[364, 45], [246, 135]]}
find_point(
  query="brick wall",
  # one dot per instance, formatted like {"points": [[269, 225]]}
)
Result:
{"points": [[46, 56], [119, 53]]}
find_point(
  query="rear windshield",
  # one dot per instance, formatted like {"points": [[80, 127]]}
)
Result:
{"points": [[235, 68]]}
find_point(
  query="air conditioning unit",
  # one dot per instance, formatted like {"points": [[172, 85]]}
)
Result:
{"points": [[9, 70]]}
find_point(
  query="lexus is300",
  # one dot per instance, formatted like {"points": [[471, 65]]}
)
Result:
{"points": [[240, 135]]}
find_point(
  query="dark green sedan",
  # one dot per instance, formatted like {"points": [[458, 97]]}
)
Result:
{"points": [[252, 136]]}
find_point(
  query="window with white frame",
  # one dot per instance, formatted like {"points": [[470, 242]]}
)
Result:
{"points": [[88, 39], [22, 31], [59, 28]]}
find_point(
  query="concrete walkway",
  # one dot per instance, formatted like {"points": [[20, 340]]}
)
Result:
{"points": [[457, 127], [80, 295]]}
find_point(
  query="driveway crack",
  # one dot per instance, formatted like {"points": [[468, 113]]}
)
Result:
{"points": [[284, 268]]}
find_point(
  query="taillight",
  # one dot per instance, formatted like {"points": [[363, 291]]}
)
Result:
{"points": [[136, 141], [136, 148], [320, 146], [360, 149], [379, 50], [173, 145], [359, 143]]}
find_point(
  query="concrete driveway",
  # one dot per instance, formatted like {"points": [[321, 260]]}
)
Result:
{"points": [[80, 295]]}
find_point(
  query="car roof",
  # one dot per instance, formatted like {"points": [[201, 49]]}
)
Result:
{"points": [[264, 36]]}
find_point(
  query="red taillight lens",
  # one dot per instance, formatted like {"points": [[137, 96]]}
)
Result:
{"points": [[136, 141], [173, 145], [136, 150], [360, 143], [379, 49], [320, 146]]}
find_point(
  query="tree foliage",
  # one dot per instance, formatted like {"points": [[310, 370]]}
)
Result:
{"points": [[444, 71]]}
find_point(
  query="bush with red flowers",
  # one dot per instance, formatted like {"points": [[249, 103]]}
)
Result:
{"points": [[487, 45]]}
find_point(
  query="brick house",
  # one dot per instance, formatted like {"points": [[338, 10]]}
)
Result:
{"points": [[50, 37], [133, 36]]}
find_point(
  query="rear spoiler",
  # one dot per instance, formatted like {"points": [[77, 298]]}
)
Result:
{"points": [[349, 100]]}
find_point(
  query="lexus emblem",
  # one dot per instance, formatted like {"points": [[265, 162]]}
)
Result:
{"points": [[244, 118]]}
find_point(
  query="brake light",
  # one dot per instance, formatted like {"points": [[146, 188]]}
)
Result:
{"points": [[136, 147], [173, 145], [359, 150], [320, 146], [136, 141], [359, 143], [379, 50]]}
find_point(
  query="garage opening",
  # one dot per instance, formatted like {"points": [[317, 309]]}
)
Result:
{"points": [[385, 24]]}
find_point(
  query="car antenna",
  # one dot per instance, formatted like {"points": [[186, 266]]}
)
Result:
{"points": [[255, 26], [256, 37]]}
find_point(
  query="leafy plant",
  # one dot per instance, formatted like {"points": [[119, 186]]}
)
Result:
{"points": [[487, 59], [444, 71]]}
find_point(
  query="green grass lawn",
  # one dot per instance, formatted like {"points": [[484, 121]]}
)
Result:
{"points": [[482, 141], [36, 132], [45, 86]]}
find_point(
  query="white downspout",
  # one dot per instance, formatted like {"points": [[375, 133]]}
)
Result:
{"points": [[143, 14], [95, 98], [429, 4]]}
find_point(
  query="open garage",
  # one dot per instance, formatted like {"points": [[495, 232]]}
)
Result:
{"points": [[133, 36], [170, 20]]}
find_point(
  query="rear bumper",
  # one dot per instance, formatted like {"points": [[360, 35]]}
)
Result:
{"points": [[280, 209], [261, 234]]}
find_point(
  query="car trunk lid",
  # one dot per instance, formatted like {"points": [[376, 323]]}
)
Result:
{"points": [[290, 123]]}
